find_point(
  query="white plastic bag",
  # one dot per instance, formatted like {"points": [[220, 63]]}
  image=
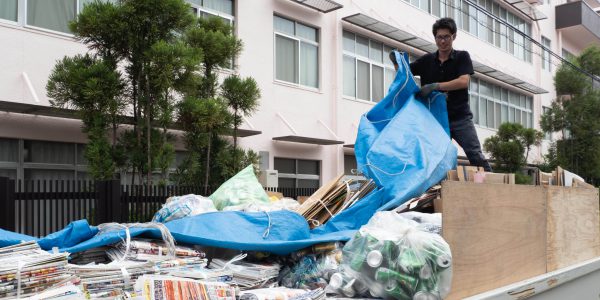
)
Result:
{"points": [[390, 257], [243, 188], [178, 207]]}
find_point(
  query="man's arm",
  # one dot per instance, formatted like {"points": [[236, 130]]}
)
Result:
{"points": [[462, 82]]}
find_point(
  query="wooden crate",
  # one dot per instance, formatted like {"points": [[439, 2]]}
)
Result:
{"points": [[501, 234]]}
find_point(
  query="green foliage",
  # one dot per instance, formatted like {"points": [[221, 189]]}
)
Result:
{"points": [[92, 87], [145, 39], [510, 146], [576, 116], [569, 81], [521, 178], [241, 95], [219, 47], [211, 109]]}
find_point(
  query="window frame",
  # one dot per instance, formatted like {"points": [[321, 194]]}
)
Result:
{"points": [[26, 25], [367, 59], [298, 41], [10, 22], [506, 105], [546, 58], [297, 176]]}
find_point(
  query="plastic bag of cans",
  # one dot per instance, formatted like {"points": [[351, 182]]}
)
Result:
{"points": [[391, 258]]}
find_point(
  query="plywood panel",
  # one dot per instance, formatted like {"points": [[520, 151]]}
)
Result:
{"points": [[497, 234], [573, 226]]}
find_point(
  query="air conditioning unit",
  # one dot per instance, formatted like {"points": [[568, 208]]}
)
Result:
{"points": [[268, 178]]}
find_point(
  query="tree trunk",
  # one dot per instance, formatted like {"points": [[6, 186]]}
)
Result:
{"points": [[207, 172]]}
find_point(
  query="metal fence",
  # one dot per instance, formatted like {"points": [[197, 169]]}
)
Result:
{"points": [[40, 207]]}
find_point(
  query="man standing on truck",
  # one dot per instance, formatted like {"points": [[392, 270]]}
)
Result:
{"points": [[449, 70]]}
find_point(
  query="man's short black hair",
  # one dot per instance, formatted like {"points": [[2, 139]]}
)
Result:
{"points": [[444, 23]]}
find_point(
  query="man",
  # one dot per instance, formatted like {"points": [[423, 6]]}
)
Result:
{"points": [[449, 71]]}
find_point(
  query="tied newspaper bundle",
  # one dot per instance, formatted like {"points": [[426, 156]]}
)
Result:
{"points": [[158, 287], [248, 275], [111, 280], [333, 198], [149, 250], [91, 256], [283, 293], [26, 270]]}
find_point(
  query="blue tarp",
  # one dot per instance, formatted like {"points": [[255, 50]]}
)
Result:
{"points": [[402, 144]]}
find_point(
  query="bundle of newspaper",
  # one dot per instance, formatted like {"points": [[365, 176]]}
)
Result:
{"points": [[92, 256], [110, 280], [282, 293], [66, 292], [160, 287], [149, 250], [249, 275], [30, 270], [189, 264]]}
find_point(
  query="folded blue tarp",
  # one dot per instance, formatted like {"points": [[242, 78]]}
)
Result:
{"points": [[402, 144]]}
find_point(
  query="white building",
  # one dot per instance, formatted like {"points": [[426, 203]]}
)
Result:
{"points": [[319, 64]]}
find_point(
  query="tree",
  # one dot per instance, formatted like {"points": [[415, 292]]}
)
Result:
{"points": [[201, 120], [93, 87], [143, 38], [204, 114], [510, 146], [575, 113], [241, 95]]}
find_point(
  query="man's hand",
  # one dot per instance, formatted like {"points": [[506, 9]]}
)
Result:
{"points": [[427, 89], [393, 57]]}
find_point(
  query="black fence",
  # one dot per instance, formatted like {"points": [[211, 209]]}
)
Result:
{"points": [[40, 207]]}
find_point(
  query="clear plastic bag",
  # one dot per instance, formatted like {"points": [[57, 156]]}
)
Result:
{"points": [[241, 189], [391, 258], [312, 271], [178, 207]]}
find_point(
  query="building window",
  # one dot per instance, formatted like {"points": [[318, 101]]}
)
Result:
{"points": [[214, 8], [296, 52], [51, 14], [9, 10], [471, 17], [41, 160], [493, 105], [368, 72], [568, 55], [546, 59], [298, 173]]}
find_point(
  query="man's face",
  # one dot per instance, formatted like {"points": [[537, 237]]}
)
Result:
{"points": [[444, 39]]}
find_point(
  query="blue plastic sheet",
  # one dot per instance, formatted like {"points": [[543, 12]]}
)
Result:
{"points": [[403, 144]]}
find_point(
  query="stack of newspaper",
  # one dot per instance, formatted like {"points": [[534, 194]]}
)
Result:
{"points": [[159, 287], [189, 264], [150, 250], [110, 280], [92, 256], [249, 275], [26, 270], [282, 293]]}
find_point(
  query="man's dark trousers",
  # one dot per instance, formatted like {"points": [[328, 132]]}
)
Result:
{"points": [[463, 132]]}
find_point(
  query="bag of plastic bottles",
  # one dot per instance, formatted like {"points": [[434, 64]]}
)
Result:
{"points": [[178, 207], [391, 257], [313, 270], [243, 188]]}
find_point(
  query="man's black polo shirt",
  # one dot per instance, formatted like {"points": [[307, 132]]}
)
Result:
{"points": [[431, 70]]}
